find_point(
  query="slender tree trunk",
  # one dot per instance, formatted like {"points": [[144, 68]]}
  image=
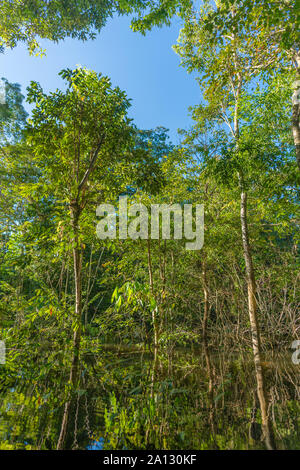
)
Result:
{"points": [[256, 343], [251, 285], [154, 313], [206, 350], [206, 302], [296, 129], [204, 331], [296, 112], [162, 271], [77, 259], [78, 312]]}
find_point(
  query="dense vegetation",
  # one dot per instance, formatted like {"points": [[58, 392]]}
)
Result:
{"points": [[65, 294]]}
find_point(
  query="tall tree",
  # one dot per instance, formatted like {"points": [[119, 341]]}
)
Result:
{"points": [[226, 65], [270, 29], [75, 139]]}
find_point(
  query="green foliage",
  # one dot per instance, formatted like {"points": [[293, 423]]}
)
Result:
{"points": [[79, 149], [12, 114], [56, 20]]}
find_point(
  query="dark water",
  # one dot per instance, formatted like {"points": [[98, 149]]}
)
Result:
{"points": [[126, 400]]}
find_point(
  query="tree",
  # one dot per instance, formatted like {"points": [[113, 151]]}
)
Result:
{"points": [[12, 113], [12, 122], [76, 139], [227, 64], [272, 32], [270, 29], [55, 20]]}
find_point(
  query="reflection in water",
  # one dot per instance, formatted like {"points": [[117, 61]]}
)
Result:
{"points": [[127, 400]]}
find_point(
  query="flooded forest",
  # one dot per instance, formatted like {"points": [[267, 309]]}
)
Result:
{"points": [[149, 284]]}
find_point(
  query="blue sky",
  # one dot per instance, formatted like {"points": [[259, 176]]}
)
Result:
{"points": [[145, 67]]}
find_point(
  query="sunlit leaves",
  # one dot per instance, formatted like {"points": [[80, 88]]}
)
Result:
{"points": [[33, 20]]}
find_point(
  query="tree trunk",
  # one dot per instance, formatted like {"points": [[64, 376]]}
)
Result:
{"points": [[77, 259], [256, 343], [296, 130], [206, 303], [154, 313], [296, 111]]}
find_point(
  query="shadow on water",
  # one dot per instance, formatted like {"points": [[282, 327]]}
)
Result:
{"points": [[127, 400]]}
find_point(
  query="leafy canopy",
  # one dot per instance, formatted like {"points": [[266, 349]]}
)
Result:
{"points": [[28, 20], [84, 129]]}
